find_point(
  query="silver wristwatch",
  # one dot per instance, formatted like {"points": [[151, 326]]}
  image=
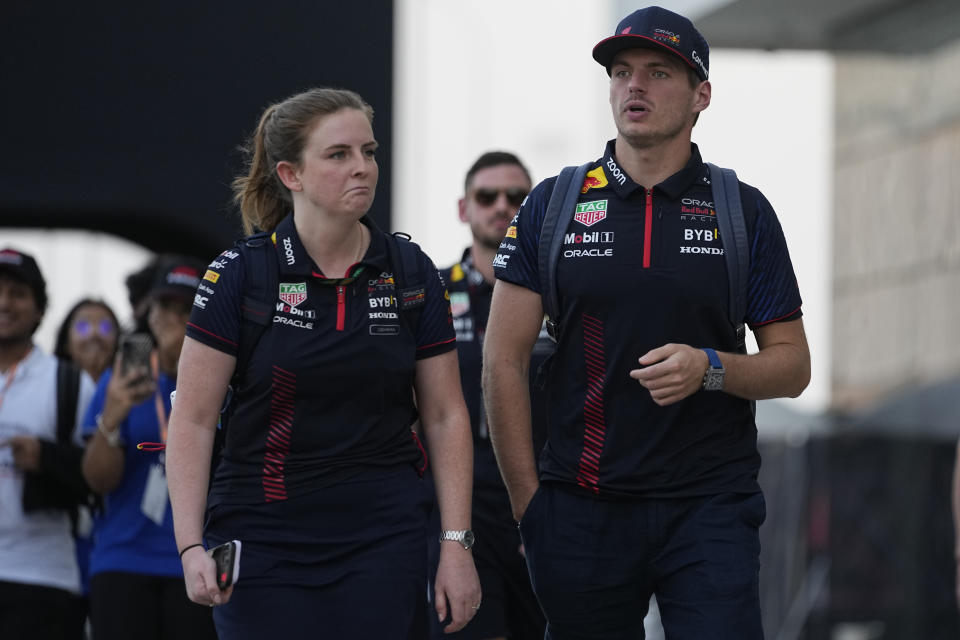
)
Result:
{"points": [[465, 537], [714, 376]]}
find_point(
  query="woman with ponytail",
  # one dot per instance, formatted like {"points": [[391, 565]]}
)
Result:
{"points": [[319, 476]]}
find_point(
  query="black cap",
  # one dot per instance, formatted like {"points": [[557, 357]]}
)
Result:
{"points": [[177, 277], [659, 29], [23, 267]]}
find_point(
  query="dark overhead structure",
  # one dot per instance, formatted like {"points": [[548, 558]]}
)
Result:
{"points": [[126, 118], [878, 26]]}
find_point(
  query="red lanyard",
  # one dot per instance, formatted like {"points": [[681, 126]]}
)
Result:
{"points": [[9, 380]]}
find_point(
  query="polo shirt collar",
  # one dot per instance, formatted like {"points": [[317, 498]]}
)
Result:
{"points": [[673, 187], [617, 178], [294, 260], [693, 172]]}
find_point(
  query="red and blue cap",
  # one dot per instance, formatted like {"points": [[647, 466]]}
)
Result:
{"points": [[176, 277], [661, 30]]}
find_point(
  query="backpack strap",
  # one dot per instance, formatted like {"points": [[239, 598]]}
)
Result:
{"points": [[68, 391], [560, 210], [410, 281], [736, 248], [262, 281]]}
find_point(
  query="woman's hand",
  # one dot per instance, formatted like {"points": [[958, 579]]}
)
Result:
{"points": [[457, 587], [200, 577]]}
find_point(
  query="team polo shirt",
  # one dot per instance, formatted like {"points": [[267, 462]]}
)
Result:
{"points": [[642, 267], [329, 388], [470, 297]]}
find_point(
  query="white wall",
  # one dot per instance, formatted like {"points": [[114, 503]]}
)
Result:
{"points": [[475, 75]]}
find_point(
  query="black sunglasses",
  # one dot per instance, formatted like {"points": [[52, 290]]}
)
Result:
{"points": [[486, 197]]}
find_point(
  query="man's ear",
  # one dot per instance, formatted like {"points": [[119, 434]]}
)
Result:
{"points": [[462, 206], [702, 98], [287, 173]]}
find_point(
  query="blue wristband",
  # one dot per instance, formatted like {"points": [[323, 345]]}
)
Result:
{"points": [[714, 358]]}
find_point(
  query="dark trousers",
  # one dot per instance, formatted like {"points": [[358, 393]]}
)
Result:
{"points": [[130, 605], [595, 563], [30, 612]]}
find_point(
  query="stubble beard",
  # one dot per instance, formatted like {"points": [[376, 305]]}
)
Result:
{"points": [[650, 139], [488, 241]]}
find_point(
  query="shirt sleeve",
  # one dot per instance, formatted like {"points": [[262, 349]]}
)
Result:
{"points": [[517, 260], [772, 290], [435, 327], [215, 317]]}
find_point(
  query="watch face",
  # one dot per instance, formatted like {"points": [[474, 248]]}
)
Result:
{"points": [[468, 539], [713, 381]]}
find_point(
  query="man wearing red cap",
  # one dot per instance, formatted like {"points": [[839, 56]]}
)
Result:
{"points": [[648, 481]]}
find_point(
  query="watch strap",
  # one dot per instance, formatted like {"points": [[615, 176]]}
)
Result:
{"points": [[713, 357]]}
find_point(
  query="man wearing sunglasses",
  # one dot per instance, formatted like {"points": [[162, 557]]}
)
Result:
{"points": [[648, 482], [495, 187]]}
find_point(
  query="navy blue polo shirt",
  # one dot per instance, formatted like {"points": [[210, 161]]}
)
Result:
{"points": [[470, 297], [640, 268], [329, 392]]}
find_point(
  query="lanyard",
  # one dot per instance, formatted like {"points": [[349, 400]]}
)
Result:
{"points": [[9, 381], [10, 375]]}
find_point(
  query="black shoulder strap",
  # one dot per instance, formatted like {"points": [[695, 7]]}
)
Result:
{"points": [[736, 247], [68, 391], [261, 286], [409, 278], [560, 210], [259, 296]]}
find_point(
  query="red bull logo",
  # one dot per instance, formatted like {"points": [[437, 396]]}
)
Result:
{"points": [[595, 180]]}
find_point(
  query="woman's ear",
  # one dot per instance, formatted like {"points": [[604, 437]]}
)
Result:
{"points": [[287, 173]]}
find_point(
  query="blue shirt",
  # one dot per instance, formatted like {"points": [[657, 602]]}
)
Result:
{"points": [[124, 538]]}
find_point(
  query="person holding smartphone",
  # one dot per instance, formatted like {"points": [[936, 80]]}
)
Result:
{"points": [[136, 588], [320, 472]]}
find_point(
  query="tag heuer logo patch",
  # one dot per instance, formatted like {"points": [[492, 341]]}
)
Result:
{"points": [[293, 293], [590, 213]]}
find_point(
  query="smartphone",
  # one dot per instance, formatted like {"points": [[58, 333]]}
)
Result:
{"points": [[135, 351], [227, 557]]}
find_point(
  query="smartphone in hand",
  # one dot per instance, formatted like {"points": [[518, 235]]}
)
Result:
{"points": [[227, 557], [135, 351]]}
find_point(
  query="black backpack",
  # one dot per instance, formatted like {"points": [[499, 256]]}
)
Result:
{"points": [[730, 220], [59, 483], [260, 296]]}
